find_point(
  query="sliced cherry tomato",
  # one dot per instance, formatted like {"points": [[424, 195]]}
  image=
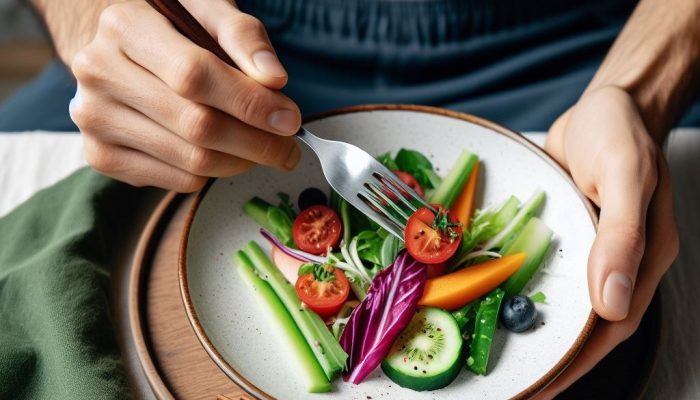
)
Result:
{"points": [[410, 181], [430, 241], [325, 298], [316, 229]]}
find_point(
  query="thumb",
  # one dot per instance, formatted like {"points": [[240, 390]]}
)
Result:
{"points": [[243, 37], [624, 192]]}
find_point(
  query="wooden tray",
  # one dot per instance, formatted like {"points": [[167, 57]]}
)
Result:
{"points": [[177, 366]]}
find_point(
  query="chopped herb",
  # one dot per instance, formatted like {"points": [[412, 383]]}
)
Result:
{"points": [[321, 272]]}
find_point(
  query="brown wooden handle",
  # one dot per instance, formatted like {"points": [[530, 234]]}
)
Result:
{"points": [[190, 27]]}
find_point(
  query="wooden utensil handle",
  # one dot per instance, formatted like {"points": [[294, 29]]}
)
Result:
{"points": [[178, 15]]}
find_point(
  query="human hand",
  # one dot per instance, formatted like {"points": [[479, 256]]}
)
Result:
{"points": [[155, 109], [604, 144]]}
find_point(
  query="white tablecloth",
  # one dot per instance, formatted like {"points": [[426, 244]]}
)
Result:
{"points": [[32, 161]]}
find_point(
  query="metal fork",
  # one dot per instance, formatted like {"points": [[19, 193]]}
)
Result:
{"points": [[365, 183], [360, 179]]}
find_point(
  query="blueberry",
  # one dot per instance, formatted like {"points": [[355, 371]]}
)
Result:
{"points": [[518, 313], [311, 197]]}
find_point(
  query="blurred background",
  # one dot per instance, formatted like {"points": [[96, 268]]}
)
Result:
{"points": [[24, 47]]}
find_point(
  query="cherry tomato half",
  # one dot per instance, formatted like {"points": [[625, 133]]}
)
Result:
{"points": [[316, 228], [410, 181], [430, 245], [324, 298]]}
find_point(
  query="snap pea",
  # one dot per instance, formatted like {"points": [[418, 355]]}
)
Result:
{"points": [[464, 315], [484, 329]]}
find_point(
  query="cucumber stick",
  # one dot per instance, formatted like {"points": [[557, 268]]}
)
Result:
{"points": [[484, 329], [451, 186], [328, 352], [534, 240], [427, 355], [256, 208], [303, 360], [530, 208]]}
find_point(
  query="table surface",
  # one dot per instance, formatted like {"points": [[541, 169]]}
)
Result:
{"points": [[32, 161]]}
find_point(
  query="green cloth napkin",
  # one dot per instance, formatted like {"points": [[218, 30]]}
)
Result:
{"points": [[56, 250]]}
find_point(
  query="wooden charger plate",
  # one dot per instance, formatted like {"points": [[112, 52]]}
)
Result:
{"points": [[177, 366]]}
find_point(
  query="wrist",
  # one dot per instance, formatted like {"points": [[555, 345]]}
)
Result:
{"points": [[656, 60], [71, 23]]}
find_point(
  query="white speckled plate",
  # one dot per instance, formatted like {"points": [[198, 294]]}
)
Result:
{"points": [[245, 345]]}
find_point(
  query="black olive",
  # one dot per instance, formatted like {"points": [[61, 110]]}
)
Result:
{"points": [[518, 313], [311, 197]]}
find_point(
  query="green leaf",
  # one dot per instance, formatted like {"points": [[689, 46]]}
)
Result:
{"points": [[286, 205], [538, 297], [369, 246], [418, 165], [321, 272], [306, 269], [387, 161]]}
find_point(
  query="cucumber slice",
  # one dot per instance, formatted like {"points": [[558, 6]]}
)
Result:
{"points": [[427, 355]]}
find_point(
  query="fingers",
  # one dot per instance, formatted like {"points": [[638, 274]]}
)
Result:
{"points": [[138, 169], [660, 253], [624, 195], [244, 38], [197, 124], [195, 73], [126, 127]]}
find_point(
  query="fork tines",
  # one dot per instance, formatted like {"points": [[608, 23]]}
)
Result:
{"points": [[395, 211]]}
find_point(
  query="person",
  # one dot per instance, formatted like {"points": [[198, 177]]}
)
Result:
{"points": [[156, 110]]}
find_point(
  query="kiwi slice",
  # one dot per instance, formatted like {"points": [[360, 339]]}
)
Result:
{"points": [[427, 355]]}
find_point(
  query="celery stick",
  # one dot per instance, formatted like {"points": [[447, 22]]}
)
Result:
{"points": [[516, 224], [328, 352], [256, 208], [505, 214], [451, 186], [484, 329], [534, 240], [304, 363]]}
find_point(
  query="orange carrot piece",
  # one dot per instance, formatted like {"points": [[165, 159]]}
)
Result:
{"points": [[458, 288], [463, 207]]}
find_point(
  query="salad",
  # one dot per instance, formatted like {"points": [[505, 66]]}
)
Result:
{"points": [[349, 297]]}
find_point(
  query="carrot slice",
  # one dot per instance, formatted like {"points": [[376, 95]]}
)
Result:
{"points": [[463, 207], [454, 290]]}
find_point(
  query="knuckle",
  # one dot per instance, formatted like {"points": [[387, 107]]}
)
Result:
{"points": [[101, 157], [242, 24], [86, 117], [249, 103], [115, 17], [190, 183], [87, 67], [275, 150], [634, 235], [200, 125], [201, 161], [189, 76]]}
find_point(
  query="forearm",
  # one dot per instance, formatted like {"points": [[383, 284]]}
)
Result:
{"points": [[71, 23], [656, 59]]}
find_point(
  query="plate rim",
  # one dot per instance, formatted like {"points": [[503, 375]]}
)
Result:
{"points": [[256, 392]]}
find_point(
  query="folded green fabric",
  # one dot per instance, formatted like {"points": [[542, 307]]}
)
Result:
{"points": [[56, 250]]}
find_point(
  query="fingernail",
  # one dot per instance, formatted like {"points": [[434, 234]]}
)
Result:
{"points": [[293, 158], [617, 293], [285, 121], [268, 63]]}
